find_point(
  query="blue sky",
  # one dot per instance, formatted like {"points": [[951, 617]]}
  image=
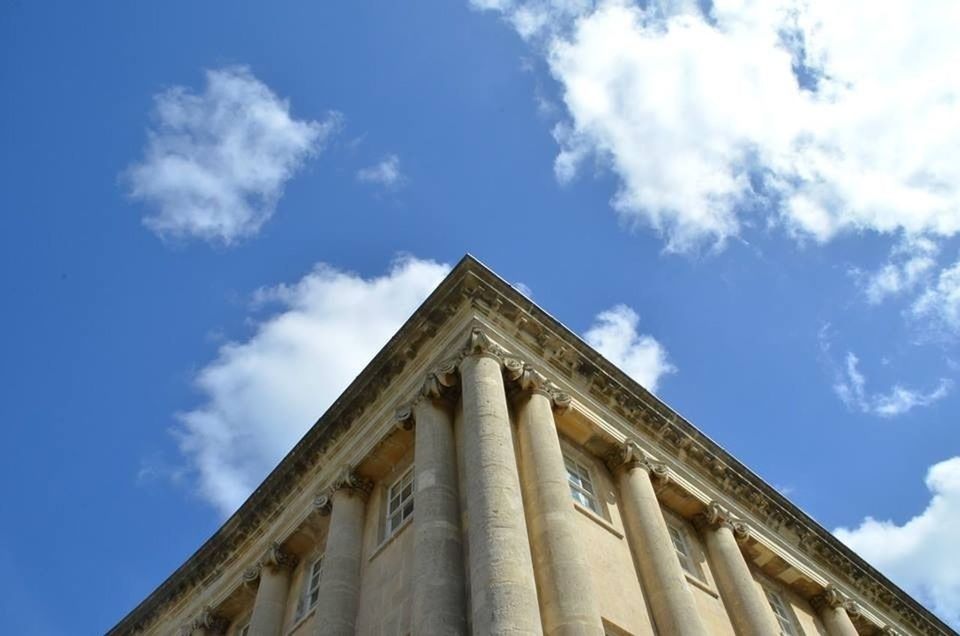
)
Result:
{"points": [[215, 213]]}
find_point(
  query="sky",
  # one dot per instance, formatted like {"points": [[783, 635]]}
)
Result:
{"points": [[214, 214]]}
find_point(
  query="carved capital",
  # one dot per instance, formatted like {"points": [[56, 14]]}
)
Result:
{"points": [[323, 504], [211, 622], [629, 455], [833, 598], [278, 558], [480, 344], [717, 516], [529, 380], [436, 386], [351, 482], [251, 574]]}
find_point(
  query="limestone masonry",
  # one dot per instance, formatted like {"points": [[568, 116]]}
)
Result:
{"points": [[490, 473]]}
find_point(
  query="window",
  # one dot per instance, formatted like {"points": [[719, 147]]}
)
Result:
{"points": [[244, 631], [311, 588], [400, 502], [581, 486], [679, 539], [784, 616]]}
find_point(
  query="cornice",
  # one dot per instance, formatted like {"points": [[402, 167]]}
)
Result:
{"points": [[568, 356]]}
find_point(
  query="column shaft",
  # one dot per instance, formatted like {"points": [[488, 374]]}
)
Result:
{"points": [[664, 582], [749, 611], [837, 621], [271, 601], [339, 590], [438, 596], [567, 601], [502, 587]]}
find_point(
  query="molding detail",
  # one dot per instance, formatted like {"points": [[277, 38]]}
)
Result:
{"points": [[251, 574], [211, 622], [528, 379], [480, 344], [629, 455], [833, 598], [437, 385], [278, 558], [717, 516]]}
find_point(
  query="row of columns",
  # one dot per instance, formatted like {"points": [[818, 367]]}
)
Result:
{"points": [[512, 588]]}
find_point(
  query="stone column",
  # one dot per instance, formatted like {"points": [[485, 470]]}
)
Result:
{"points": [[568, 604], [664, 582], [339, 591], [835, 610], [503, 592], [439, 605], [271, 601], [749, 610]]}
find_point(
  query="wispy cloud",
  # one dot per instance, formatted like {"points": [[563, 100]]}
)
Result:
{"points": [[261, 394], [911, 263], [216, 162], [850, 387], [940, 302], [385, 173], [921, 554], [614, 334]]}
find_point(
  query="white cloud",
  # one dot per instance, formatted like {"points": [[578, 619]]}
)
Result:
{"points": [[910, 264], [614, 335], [922, 554], [386, 173], [261, 394], [523, 288], [762, 111], [850, 387], [940, 302], [216, 163]]}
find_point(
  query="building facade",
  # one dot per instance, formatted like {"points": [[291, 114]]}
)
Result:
{"points": [[490, 473]]}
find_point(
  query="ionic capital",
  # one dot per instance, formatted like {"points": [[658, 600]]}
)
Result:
{"points": [[348, 481], [251, 574], [718, 516], [629, 455], [833, 598], [529, 380], [278, 559], [437, 385], [480, 344], [211, 622]]}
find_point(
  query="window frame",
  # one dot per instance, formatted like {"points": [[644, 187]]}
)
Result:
{"points": [[390, 526], [785, 616], [310, 586], [586, 497], [684, 551]]}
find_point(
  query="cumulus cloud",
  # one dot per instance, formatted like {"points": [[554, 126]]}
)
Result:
{"points": [[385, 173], [216, 162], [850, 387], [921, 554], [614, 335], [262, 393], [758, 111]]}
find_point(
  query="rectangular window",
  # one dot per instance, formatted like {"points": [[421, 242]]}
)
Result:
{"points": [[684, 554], [400, 502], [784, 617], [581, 486], [311, 588]]}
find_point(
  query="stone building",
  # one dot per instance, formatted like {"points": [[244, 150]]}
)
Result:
{"points": [[489, 473]]}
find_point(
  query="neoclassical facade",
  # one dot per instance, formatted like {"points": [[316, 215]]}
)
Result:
{"points": [[490, 473]]}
